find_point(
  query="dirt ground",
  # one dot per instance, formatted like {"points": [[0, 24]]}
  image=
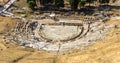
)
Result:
{"points": [[103, 51]]}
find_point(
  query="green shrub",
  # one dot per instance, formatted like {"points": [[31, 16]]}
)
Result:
{"points": [[32, 4]]}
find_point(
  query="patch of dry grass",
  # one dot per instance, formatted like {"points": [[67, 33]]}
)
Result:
{"points": [[6, 23]]}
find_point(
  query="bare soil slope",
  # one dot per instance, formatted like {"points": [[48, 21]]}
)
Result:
{"points": [[6, 24], [117, 2], [2, 2]]}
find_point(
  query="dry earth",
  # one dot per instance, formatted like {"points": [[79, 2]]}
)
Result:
{"points": [[104, 51], [2, 2]]}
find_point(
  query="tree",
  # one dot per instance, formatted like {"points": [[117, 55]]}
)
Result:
{"points": [[90, 1], [59, 3], [44, 2], [104, 1], [74, 4], [32, 4], [82, 2]]}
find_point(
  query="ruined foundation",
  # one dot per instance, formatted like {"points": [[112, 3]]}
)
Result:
{"points": [[59, 36]]}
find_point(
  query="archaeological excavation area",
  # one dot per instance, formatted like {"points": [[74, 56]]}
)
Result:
{"points": [[61, 41], [47, 34], [60, 36]]}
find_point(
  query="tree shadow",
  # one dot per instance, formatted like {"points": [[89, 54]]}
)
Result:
{"points": [[108, 7], [48, 8], [87, 10], [115, 7]]}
